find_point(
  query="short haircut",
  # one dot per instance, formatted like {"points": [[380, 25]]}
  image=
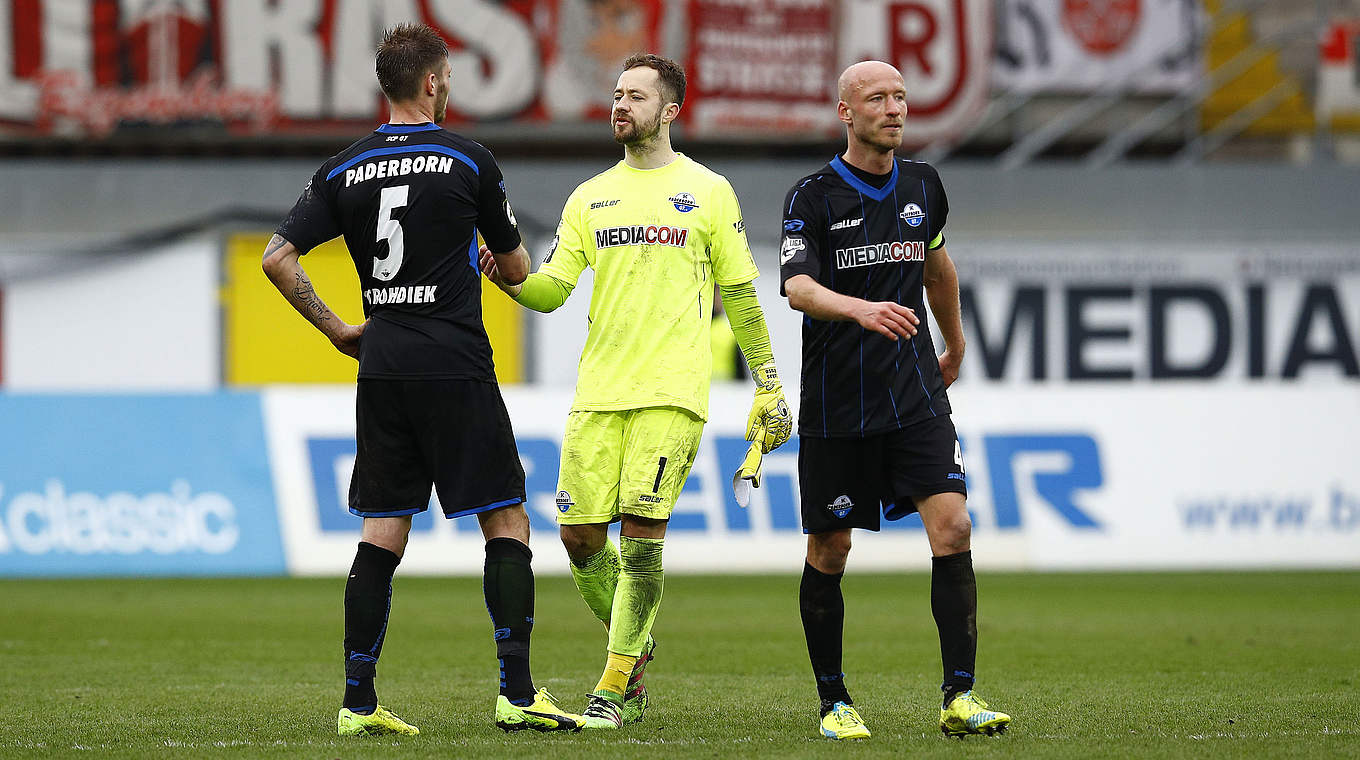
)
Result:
{"points": [[406, 54], [672, 76]]}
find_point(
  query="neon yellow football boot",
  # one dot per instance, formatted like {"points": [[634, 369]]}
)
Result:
{"points": [[542, 714], [968, 714], [381, 722], [843, 722]]}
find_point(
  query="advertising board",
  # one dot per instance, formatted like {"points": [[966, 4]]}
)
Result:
{"points": [[135, 485]]}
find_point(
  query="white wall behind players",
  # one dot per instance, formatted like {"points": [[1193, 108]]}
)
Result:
{"points": [[142, 322]]}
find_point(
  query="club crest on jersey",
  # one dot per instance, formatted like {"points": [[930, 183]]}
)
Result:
{"points": [[683, 202], [912, 214], [841, 506], [564, 501], [791, 246], [637, 234]]}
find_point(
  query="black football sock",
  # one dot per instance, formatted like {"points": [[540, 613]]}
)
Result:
{"points": [[823, 610], [508, 583], [953, 600], [368, 599]]}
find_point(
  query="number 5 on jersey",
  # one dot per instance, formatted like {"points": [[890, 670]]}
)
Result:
{"points": [[389, 229]]}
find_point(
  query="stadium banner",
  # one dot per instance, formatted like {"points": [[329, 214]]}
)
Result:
{"points": [[135, 485], [1338, 75], [1081, 478], [251, 67], [761, 67], [1100, 312], [1076, 46], [943, 49], [238, 71]]}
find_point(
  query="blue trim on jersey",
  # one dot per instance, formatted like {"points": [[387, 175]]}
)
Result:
{"points": [[404, 149], [398, 513], [877, 193], [472, 253], [930, 400], [484, 508], [901, 275], [406, 129], [868, 280]]}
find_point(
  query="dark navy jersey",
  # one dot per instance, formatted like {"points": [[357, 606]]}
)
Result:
{"points": [[409, 200], [866, 236]]}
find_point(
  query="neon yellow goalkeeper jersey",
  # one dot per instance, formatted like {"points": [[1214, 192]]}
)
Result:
{"points": [[658, 240]]}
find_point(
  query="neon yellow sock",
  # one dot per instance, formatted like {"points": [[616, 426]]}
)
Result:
{"points": [[597, 578], [638, 596]]}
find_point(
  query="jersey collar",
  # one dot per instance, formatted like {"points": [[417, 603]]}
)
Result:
{"points": [[406, 129], [877, 193]]}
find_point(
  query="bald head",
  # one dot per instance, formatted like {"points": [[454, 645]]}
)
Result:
{"points": [[860, 76], [873, 106]]}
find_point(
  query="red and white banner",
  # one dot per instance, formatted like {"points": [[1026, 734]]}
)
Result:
{"points": [[942, 48], [1086, 45], [1338, 85], [241, 68], [767, 65], [88, 67]]}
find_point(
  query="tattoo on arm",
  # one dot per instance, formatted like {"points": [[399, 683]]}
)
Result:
{"points": [[275, 243], [306, 300]]}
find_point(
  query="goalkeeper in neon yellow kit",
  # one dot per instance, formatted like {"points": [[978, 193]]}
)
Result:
{"points": [[659, 230]]}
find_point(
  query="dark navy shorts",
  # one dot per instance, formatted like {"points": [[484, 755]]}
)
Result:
{"points": [[854, 482], [454, 435]]}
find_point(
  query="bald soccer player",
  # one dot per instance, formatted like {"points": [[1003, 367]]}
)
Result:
{"points": [[863, 237]]}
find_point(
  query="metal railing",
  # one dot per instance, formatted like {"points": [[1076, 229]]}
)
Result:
{"points": [[1116, 145]]}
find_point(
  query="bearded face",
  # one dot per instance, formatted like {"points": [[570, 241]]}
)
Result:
{"points": [[638, 106], [636, 128]]}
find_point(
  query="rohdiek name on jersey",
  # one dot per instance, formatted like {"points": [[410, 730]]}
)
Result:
{"points": [[638, 234], [880, 253], [401, 294], [394, 167]]}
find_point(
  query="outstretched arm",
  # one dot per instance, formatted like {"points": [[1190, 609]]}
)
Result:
{"points": [[281, 264], [536, 291]]}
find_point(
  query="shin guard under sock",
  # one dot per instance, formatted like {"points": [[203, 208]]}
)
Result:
{"points": [[368, 600], [508, 584], [953, 601], [823, 612]]}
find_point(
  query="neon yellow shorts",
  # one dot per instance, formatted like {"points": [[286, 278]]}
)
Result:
{"points": [[627, 462]]}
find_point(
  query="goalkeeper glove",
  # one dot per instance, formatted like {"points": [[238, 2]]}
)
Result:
{"points": [[747, 475], [770, 423]]}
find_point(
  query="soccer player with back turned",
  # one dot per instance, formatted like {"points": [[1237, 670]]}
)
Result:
{"points": [[409, 200], [659, 230], [862, 237]]}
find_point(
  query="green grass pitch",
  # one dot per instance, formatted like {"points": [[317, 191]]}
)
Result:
{"points": [[1091, 665]]}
